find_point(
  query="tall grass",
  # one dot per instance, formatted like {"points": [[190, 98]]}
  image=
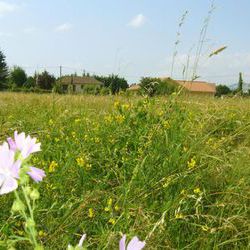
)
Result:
{"points": [[172, 171]]}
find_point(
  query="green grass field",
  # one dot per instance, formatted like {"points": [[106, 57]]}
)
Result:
{"points": [[174, 171]]}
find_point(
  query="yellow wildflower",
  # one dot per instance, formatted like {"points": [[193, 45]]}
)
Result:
{"points": [[117, 208], [41, 233], [97, 140], [91, 213], [52, 167], [183, 191], [120, 118], [108, 118], [179, 216], [110, 201], [20, 233], [112, 221], [166, 124], [197, 191], [106, 209], [116, 104], [77, 120], [191, 163], [88, 166], [205, 228], [125, 106], [51, 122], [161, 113], [80, 161]]}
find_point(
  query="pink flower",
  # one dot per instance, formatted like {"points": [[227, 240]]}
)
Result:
{"points": [[25, 145], [9, 170], [36, 174], [134, 244], [82, 240], [79, 246]]}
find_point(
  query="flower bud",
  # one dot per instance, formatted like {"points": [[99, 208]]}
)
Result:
{"points": [[17, 206], [34, 195], [27, 190], [30, 223]]}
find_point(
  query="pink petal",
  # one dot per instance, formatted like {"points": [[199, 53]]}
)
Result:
{"points": [[19, 139], [12, 144], [6, 156], [15, 168], [36, 174], [122, 243], [136, 244], [8, 185], [82, 240]]}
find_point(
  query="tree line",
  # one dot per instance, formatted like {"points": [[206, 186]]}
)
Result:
{"points": [[17, 79]]}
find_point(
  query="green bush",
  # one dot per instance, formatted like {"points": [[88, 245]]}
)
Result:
{"points": [[158, 86]]}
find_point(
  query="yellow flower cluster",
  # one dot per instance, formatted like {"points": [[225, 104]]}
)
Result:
{"points": [[109, 205], [192, 163], [120, 118], [78, 120], [126, 106], [112, 221], [179, 216], [166, 124], [197, 190], [91, 213], [52, 167], [116, 104], [108, 119], [83, 162]]}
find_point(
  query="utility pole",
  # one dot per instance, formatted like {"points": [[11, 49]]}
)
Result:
{"points": [[60, 72]]}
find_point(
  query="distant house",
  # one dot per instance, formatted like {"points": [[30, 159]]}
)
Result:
{"points": [[198, 87], [134, 87], [189, 87], [79, 83]]}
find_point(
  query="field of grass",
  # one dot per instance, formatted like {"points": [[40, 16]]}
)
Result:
{"points": [[173, 171]]}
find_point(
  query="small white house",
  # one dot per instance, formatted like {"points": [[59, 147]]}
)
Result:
{"points": [[79, 83]]}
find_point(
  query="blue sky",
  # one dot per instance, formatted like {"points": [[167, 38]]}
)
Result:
{"points": [[132, 38]]}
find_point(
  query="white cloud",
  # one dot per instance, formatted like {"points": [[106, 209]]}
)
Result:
{"points": [[7, 7], [64, 27], [137, 21]]}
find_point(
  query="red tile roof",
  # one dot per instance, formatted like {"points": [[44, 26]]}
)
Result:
{"points": [[198, 86]]}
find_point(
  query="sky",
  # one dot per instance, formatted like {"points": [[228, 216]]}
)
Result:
{"points": [[132, 38]]}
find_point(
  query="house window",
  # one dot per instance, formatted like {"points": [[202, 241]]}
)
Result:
{"points": [[65, 87]]}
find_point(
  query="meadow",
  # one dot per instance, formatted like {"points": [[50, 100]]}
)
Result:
{"points": [[171, 170]]}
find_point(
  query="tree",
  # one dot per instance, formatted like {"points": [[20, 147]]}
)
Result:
{"points": [[45, 80], [3, 70], [117, 84], [30, 83], [240, 84], [222, 90], [18, 76], [158, 86], [113, 82]]}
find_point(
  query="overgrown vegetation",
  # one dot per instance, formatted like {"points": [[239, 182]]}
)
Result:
{"points": [[158, 86], [173, 172]]}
